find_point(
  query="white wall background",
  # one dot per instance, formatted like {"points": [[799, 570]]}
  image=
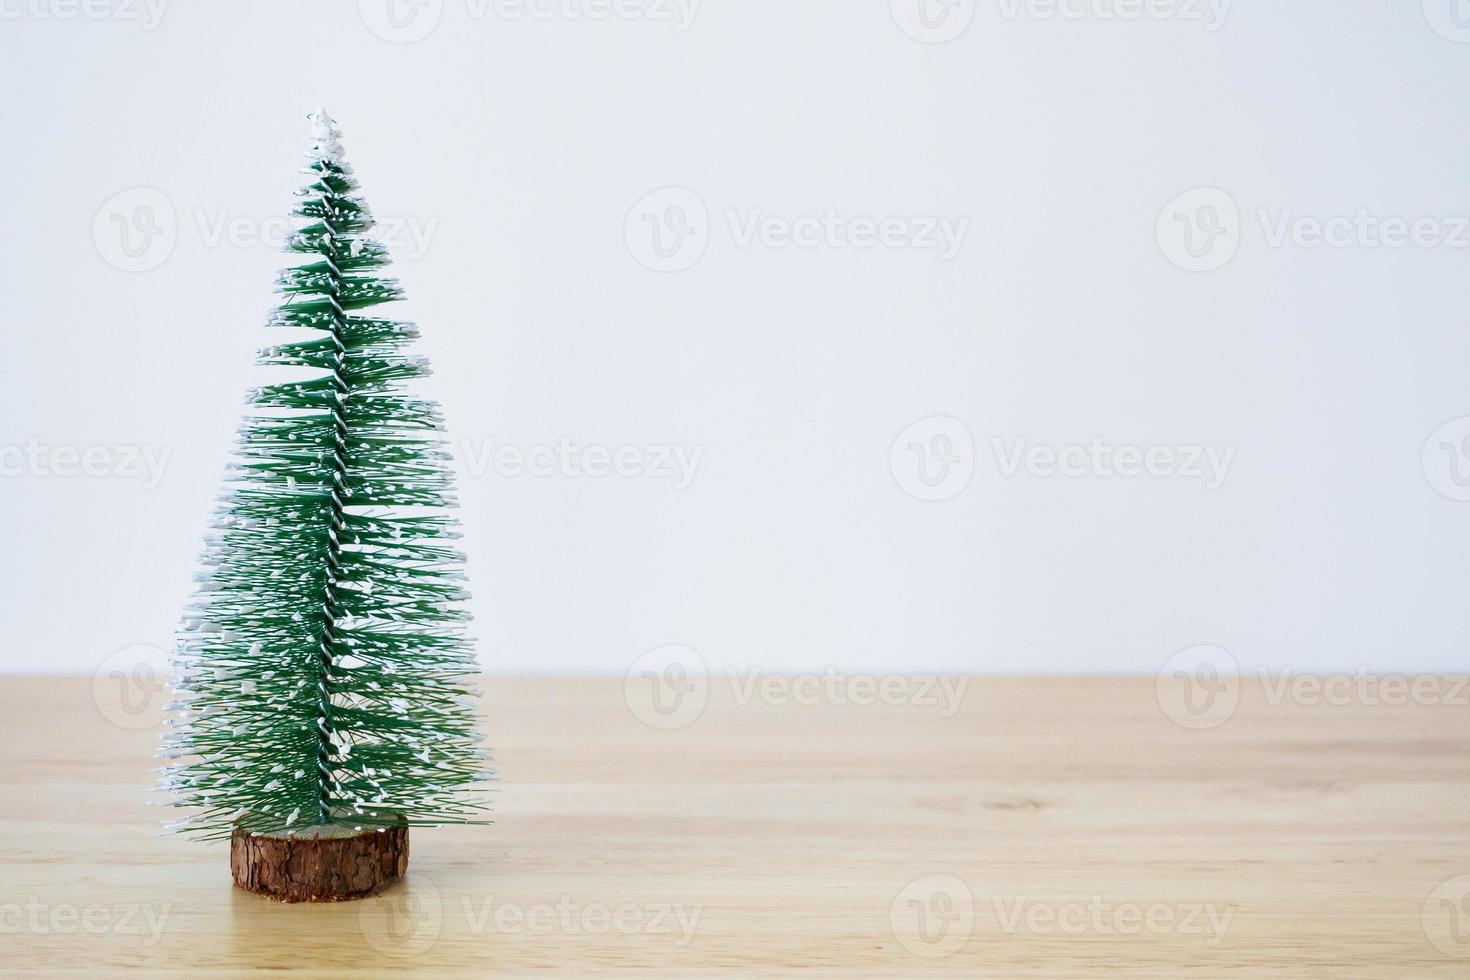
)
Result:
{"points": [[519, 146]]}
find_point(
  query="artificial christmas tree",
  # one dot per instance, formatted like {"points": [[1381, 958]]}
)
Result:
{"points": [[325, 690]]}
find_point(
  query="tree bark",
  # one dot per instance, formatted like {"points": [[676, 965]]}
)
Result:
{"points": [[319, 864]]}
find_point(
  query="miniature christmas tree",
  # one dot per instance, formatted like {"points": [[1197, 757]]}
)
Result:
{"points": [[325, 689]]}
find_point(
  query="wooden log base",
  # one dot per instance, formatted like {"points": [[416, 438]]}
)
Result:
{"points": [[324, 863]]}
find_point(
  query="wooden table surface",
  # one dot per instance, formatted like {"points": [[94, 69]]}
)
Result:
{"points": [[1045, 828]]}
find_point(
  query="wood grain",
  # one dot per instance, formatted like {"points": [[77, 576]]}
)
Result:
{"points": [[1046, 828]]}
